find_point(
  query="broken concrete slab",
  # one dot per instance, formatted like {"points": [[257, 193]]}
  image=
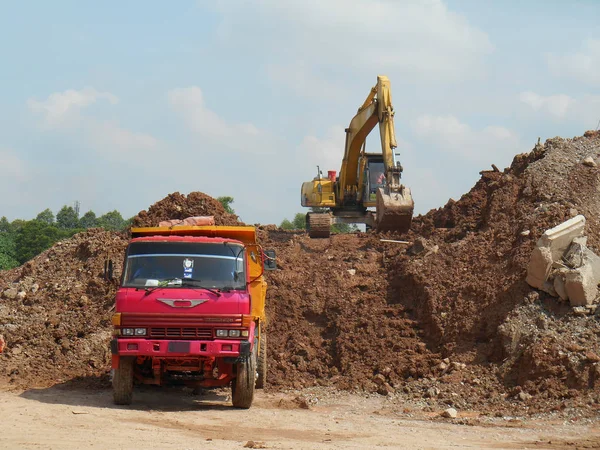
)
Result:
{"points": [[540, 265], [581, 286], [574, 256], [559, 238]]}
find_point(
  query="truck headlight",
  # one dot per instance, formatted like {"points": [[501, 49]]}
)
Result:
{"points": [[221, 333], [127, 331], [234, 333], [140, 332]]}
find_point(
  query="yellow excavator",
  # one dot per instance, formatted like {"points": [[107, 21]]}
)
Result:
{"points": [[366, 180]]}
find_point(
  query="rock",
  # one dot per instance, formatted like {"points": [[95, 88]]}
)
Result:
{"points": [[559, 286], [573, 212], [592, 357], [540, 264], [21, 295], [385, 389], [10, 293], [525, 233], [589, 161], [432, 392], [524, 396], [352, 271], [2, 343], [574, 257], [442, 366], [255, 444], [581, 286], [450, 413], [379, 379]]}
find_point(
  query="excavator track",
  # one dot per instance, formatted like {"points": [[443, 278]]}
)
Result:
{"points": [[318, 225], [394, 210]]}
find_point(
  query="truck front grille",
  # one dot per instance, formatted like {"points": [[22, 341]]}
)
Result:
{"points": [[181, 332]]}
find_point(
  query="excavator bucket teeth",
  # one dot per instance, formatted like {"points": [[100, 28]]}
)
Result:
{"points": [[318, 225], [394, 210]]}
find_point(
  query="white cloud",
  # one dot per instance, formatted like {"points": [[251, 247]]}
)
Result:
{"points": [[582, 66], [449, 134], [59, 106], [556, 105], [111, 139], [244, 137], [420, 39], [326, 152], [584, 109]]}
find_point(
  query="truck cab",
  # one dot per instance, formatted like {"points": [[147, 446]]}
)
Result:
{"points": [[190, 309]]}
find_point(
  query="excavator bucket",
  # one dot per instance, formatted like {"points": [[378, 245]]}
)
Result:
{"points": [[394, 210]]}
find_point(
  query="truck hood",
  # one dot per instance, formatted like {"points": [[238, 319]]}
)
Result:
{"points": [[181, 300]]}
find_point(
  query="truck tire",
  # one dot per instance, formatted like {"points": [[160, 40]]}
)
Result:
{"points": [[261, 363], [242, 387], [123, 381]]}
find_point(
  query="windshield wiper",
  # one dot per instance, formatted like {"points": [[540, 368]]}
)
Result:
{"points": [[192, 282]]}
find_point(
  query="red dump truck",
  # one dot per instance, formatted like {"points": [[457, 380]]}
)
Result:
{"points": [[190, 310]]}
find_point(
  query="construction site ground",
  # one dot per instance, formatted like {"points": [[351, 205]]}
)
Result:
{"points": [[67, 417], [381, 337]]}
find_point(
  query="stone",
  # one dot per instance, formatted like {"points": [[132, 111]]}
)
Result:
{"points": [[352, 271], [574, 257], [559, 286], [540, 265], [592, 357], [559, 238], [589, 161], [379, 379], [525, 233], [450, 413], [21, 295], [10, 293], [581, 286], [524, 396], [432, 392]]}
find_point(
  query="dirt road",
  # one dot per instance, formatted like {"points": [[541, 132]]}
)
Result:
{"points": [[64, 417]]}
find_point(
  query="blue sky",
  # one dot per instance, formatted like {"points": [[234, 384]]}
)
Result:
{"points": [[117, 104]]}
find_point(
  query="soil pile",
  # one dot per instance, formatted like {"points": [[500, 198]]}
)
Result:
{"points": [[54, 311], [178, 206], [449, 320]]}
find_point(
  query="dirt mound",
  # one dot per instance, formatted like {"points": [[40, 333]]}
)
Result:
{"points": [[54, 311], [449, 320], [333, 318], [468, 293], [178, 206]]}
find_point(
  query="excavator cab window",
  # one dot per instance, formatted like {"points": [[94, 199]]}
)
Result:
{"points": [[376, 176]]}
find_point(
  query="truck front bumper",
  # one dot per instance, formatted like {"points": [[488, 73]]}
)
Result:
{"points": [[224, 348]]}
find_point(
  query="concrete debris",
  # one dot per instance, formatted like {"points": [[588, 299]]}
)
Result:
{"points": [[589, 161], [524, 396], [450, 413], [563, 266]]}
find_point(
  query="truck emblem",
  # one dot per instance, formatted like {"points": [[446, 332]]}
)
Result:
{"points": [[188, 263], [181, 302]]}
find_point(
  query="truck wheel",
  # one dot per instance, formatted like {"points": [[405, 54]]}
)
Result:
{"points": [[242, 387], [261, 363], [123, 381]]}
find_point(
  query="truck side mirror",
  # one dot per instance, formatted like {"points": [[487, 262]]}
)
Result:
{"points": [[270, 260]]}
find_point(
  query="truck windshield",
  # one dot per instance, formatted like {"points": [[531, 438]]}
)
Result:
{"points": [[216, 266]]}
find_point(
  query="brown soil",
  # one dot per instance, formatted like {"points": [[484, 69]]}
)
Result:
{"points": [[447, 321]]}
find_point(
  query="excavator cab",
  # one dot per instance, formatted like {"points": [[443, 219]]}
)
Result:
{"points": [[374, 179]]}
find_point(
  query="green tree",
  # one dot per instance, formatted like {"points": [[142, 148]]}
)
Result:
{"points": [[67, 219], [34, 237], [286, 225], [46, 216], [5, 225], [343, 228], [8, 251], [226, 202], [299, 221], [112, 221], [88, 220]]}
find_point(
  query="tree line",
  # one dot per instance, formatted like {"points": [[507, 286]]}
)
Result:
{"points": [[21, 240]]}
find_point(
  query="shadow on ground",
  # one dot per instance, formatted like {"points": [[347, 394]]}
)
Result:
{"points": [[96, 392]]}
